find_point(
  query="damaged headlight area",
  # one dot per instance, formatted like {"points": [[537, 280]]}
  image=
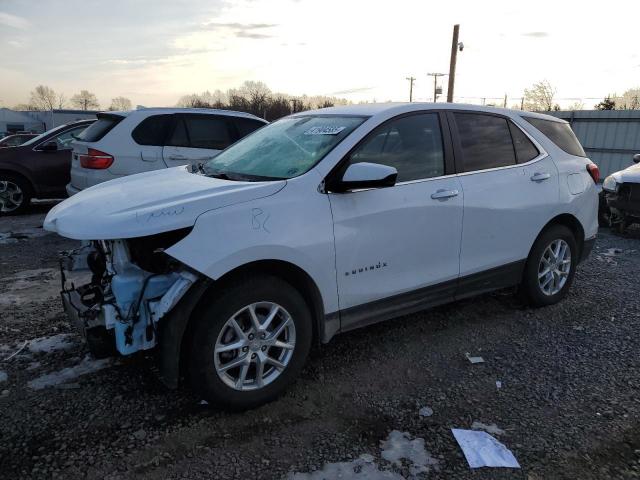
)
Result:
{"points": [[125, 289]]}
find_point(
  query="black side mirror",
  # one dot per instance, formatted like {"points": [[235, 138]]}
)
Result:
{"points": [[50, 146], [365, 175], [636, 158]]}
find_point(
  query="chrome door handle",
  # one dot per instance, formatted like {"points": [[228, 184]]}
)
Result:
{"points": [[539, 176], [440, 194]]}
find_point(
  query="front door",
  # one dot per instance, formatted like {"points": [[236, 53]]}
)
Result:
{"points": [[394, 245]]}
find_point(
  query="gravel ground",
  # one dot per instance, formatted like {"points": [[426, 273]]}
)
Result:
{"points": [[568, 402]]}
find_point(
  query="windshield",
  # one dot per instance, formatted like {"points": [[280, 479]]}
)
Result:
{"points": [[42, 135], [284, 149]]}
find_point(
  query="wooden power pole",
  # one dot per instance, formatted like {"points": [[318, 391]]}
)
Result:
{"points": [[452, 63], [435, 84], [411, 80]]}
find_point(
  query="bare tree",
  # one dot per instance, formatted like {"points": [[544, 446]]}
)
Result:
{"points": [[577, 105], [539, 97], [120, 103], [43, 98], [85, 100], [630, 100]]}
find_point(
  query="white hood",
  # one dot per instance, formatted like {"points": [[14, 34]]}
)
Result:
{"points": [[628, 175], [148, 203]]}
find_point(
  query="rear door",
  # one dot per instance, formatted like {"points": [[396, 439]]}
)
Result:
{"points": [[197, 138], [510, 191]]}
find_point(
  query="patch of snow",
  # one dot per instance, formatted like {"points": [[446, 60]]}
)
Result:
{"points": [[425, 412], [492, 429], [612, 252], [7, 238], [36, 285], [498, 384], [397, 447], [61, 341], [33, 365], [3, 376], [86, 365], [482, 450], [359, 469]]}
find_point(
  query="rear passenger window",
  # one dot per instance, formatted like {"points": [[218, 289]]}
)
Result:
{"points": [[246, 126], [179, 137], [207, 131], [525, 149], [485, 141], [152, 130], [412, 144], [559, 133]]}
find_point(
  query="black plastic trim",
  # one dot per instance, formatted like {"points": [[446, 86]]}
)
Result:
{"points": [[406, 303]]}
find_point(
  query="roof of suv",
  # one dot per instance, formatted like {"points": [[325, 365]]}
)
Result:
{"points": [[231, 113], [371, 109]]}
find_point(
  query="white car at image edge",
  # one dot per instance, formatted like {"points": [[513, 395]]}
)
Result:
{"points": [[124, 143], [320, 223]]}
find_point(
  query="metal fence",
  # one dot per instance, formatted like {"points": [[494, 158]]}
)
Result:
{"points": [[610, 137]]}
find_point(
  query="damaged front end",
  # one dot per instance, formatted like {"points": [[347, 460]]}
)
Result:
{"points": [[117, 292]]}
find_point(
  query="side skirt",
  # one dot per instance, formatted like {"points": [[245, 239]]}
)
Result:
{"points": [[411, 302]]}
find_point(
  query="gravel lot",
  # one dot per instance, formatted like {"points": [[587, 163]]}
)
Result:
{"points": [[568, 403]]}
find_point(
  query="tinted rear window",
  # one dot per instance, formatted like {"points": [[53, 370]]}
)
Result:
{"points": [[100, 128], [485, 141], [246, 126], [559, 133], [152, 130]]}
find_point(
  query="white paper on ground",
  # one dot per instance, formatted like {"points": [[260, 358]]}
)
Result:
{"points": [[482, 450]]}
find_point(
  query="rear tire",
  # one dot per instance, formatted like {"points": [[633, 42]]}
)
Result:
{"points": [[15, 194], [234, 329], [550, 268]]}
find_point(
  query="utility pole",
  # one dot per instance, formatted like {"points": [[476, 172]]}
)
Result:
{"points": [[411, 80], [505, 101], [435, 84], [522, 103], [452, 63]]}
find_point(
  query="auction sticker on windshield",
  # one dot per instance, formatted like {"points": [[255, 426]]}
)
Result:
{"points": [[327, 130]]}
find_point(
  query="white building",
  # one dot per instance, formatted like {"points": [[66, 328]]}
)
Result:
{"points": [[12, 121]]}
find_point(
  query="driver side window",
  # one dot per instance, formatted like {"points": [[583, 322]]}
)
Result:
{"points": [[411, 144], [64, 139]]}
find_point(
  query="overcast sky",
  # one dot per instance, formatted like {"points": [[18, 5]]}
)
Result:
{"points": [[154, 51]]}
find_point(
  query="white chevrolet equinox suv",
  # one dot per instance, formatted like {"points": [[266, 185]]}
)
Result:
{"points": [[320, 223], [124, 143]]}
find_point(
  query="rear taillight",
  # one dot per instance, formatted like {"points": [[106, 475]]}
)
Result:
{"points": [[96, 159], [594, 171]]}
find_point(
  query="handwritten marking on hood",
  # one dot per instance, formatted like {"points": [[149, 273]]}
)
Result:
{"points": [[167, 212]]}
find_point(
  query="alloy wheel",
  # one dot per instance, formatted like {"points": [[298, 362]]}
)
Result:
{"points": [[11, 196], [554, 267], [255, 346]]}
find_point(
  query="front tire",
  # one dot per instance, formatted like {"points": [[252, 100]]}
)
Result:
{"points": [[551, 266], [249, 342]]}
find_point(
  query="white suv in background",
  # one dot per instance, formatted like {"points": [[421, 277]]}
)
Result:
{"points": [[124, 143], [320, 223]]}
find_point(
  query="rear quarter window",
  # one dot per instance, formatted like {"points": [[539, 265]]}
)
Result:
{"points": [[152, 130], [559, 133], [98, 129]]}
